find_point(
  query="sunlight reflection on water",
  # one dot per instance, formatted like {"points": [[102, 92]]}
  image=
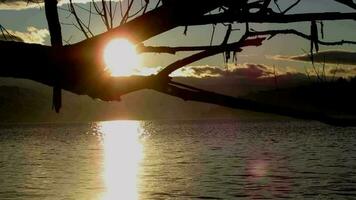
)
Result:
{"points": [[200, 159], [122, 155]]}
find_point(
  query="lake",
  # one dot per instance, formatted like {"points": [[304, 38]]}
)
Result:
{"points": [[192, 159]]}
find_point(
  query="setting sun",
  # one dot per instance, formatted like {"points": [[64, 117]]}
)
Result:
{"points": [[121, 58]]}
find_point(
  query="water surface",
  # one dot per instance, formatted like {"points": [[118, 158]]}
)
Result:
{"points": [[206, 159]]}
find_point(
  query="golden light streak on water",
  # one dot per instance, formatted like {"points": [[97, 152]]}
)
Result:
{"points": [[122, 155]]}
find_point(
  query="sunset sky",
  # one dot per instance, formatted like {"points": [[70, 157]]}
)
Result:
{"points": [[28, 22]]}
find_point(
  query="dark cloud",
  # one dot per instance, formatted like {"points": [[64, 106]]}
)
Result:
{"points": [[329, 56]]}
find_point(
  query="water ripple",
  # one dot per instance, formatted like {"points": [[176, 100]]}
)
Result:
{"points": [[221, 159]]}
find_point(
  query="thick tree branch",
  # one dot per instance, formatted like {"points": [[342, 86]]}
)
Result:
{"points": [[189, 93], [265, 6], [152, 23]]}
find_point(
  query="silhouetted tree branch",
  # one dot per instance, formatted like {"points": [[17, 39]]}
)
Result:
{"points": [[349, 3], [54, 28], [273, 33], [189, 93], [275, 18], [173, 50], [79, 67], [210, 52]]}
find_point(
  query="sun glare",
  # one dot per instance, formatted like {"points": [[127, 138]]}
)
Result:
{"points": [[121, 58]]}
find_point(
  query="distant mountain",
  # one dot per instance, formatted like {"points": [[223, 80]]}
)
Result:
{"points": [[28, 101], [19, 104], [29, 105], [336, 98]]}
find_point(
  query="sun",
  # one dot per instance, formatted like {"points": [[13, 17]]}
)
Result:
{"points": [[121, 58]]}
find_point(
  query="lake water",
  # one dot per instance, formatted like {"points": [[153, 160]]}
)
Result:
{"points": [[211, 159]]}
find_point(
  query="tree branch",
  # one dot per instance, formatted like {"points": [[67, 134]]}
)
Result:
{"points": [[54, 27], [210, 52], [174, 50], [273, 33], [275, 18], [349, 3], [189, 93], [79, 68]]}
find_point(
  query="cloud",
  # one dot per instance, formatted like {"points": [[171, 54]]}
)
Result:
{"points": [[32, 35], [329, 56], [26, 4], [343, 71], [147, 71], [247, 70], [199, 71], [19, 4], [252, 71]]}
